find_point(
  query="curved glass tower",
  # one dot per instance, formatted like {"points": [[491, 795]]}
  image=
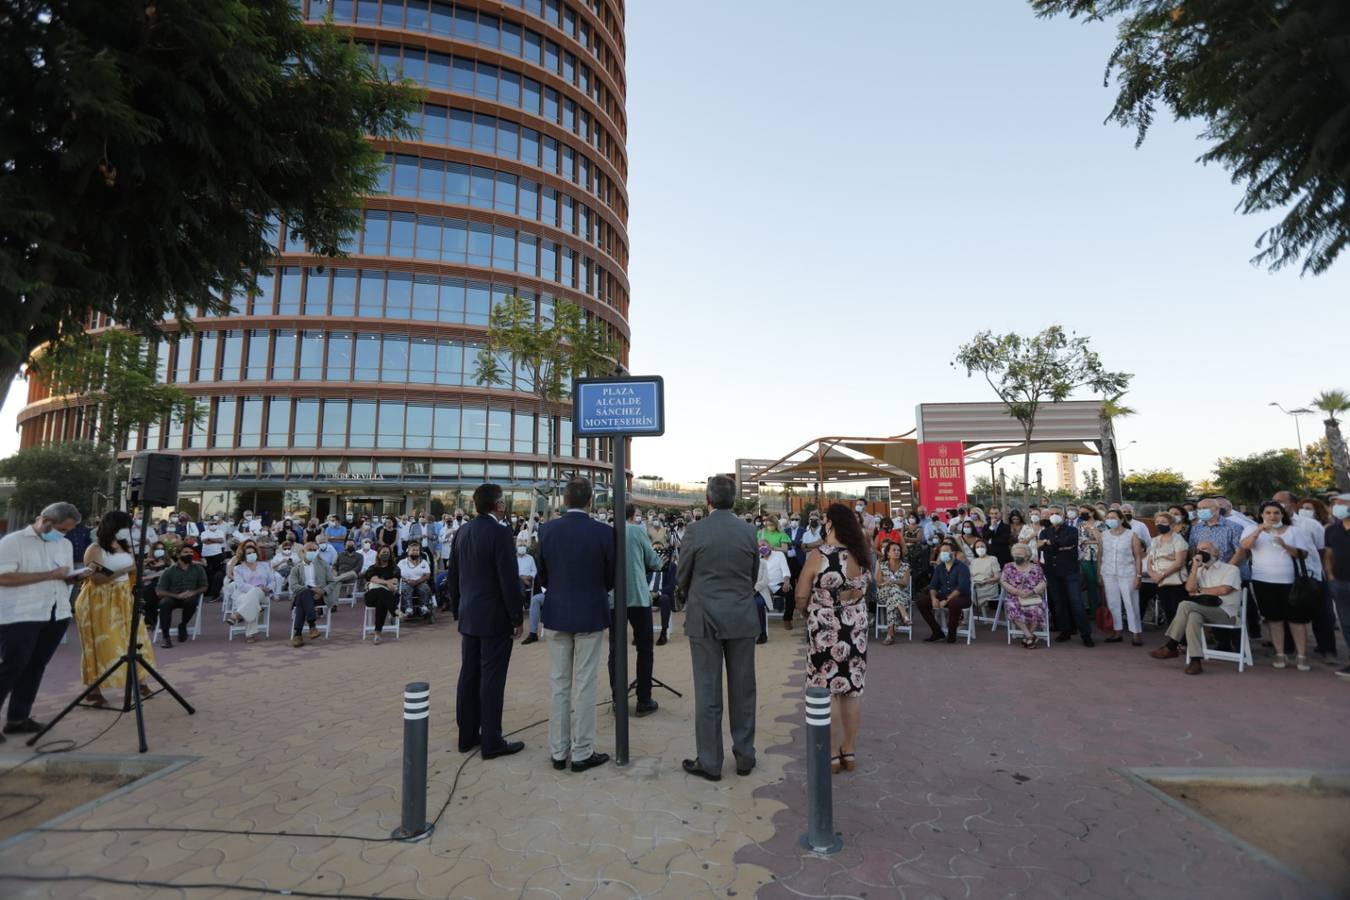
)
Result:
{"points": [[346, 385]]}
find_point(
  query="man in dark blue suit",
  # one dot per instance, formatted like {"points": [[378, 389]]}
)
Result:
{"points": [[486, 589], [576, 567]]}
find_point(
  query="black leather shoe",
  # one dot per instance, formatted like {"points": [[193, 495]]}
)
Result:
{"points": [[182, 634], [744, 770], [661, 641], [1063, 636], [597, 759], [1088, 641], [509, 748], [165, 642], [559, 764], [469, 747], [693, 768], [762, 639], [530, 638], [646, 709], [951, 637], [933, 638], [27, 726]]}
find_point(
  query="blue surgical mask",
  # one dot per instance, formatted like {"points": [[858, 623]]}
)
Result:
{"points": [[1340, 511], [945, 556], [250, 557], [52, 536], [311, 555], [1205, 515]]}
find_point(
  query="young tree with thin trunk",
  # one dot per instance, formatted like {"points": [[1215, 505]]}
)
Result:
{"points": [[543, 353], [1112, 409], [1026, 372]]}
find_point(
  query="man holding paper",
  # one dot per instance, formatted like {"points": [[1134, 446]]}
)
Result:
{"points": [[35, 571]]}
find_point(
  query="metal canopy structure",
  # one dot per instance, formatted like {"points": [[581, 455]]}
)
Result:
{"points": [[840, 458]]}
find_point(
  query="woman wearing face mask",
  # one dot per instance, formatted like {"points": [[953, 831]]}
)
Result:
{"points": [[1023, 532], [1277, 551], [887, 533], [1121, 555], [831, 594], [1166, 560], [969, 537], [984, 574], [253, 585], [1179, 523], [1089, 552], [912, 532], [949, 589], [894, 587], [285, 559], [103, 611], [1025, 586], [387, 536], [382, 588]]}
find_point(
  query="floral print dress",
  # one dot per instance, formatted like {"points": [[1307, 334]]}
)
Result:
{"points": [[837, 631], [890, 595]]}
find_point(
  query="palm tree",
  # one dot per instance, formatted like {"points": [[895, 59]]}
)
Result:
{"points": [[1112, 409], [1331, 403]]}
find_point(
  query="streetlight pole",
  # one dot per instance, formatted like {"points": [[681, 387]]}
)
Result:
{"points": [[1298, 432]]}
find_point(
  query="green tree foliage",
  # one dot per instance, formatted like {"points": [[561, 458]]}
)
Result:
{"points": [[1267, 78], [1026, 372], [1252, 479], [1092, 485], [1335, 403], [72, 472], [1318, 472], [112, 375], [544, 355], [1155, 486], [148, 149]]}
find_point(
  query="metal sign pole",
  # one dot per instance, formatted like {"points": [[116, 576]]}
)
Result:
{"points": [[618, 639]]}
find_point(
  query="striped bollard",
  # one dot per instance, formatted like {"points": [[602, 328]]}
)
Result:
{"points": [[416, 708], [820, 836]]}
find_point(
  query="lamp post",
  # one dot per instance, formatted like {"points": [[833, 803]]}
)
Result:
{"points": [[1298, 432]]}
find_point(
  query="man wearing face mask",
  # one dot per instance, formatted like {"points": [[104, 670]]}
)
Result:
{"points": [[349, 564], [529, 571], [311, 583], [1058, 544], [415, 583], [1336, 559], [35, 575], [950, 589], [1226, 536], [1215, 590], [179, 587], [213, 539]]}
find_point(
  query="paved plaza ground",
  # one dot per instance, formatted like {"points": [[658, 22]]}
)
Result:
{"points": [[983, 771]]}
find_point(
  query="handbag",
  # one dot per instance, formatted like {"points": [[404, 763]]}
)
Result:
{"points": [[1030, 601], [1305, 594]]}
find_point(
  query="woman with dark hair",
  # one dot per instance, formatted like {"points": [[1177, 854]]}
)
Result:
{"points": [[887, 533], [382, 588], [831, 592], [387, 536], [1277, 550], [894, 588], [103, 611], [156, 561]]}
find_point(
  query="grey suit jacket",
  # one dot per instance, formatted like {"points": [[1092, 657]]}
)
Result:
{"points": [[719, 561], [323, 578]]}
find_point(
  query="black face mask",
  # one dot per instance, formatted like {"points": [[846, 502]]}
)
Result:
{"points": [[1204, 556]]}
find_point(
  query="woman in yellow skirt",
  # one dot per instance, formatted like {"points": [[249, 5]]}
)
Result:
{"points": [[103, 609]]}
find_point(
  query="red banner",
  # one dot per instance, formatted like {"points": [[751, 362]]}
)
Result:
{"points": [[942, 475]]}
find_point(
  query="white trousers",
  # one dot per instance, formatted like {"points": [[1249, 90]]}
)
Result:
{"points": [[248, 604], [1120, 592], [574, 664]]}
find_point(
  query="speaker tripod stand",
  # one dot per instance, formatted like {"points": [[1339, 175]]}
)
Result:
{"points": [[132, 659]]}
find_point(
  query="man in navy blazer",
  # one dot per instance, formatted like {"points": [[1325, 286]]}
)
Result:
{"points": [[484, 586], [576, 566]]}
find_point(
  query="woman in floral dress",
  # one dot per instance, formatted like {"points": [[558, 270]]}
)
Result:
{"points": [[831, 592], [1024, 583], [894, 589]]}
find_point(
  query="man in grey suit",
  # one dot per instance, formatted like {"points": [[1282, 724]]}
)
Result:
{"points": [[719, 560]]}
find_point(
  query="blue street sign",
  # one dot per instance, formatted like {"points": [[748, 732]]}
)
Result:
{"points": [[633, 405]]}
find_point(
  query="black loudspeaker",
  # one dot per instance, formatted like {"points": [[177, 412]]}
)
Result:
{"points": [[154, 479]]}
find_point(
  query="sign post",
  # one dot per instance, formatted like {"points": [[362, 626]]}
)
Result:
{"points": [[619, 407]]}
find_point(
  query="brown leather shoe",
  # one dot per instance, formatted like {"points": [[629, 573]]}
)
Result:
{"points": [[1165, 652], [1194, 668]]}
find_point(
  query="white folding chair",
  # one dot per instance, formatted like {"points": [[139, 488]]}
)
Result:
{"points": [[967, 627], [264, 617], [1243, 655], [323, 620], [368, 623], [883, 620], [978, 615], [346, 593], [1043, 634]]}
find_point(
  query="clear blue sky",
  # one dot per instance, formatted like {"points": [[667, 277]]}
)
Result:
{"points": [[826, 199]]}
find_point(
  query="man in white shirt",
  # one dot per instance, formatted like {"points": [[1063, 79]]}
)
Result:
{"points": [[1215, 588], [213, 538], [415, 581], [368, 555], [35, 568], [250, 525], [526, 568], [1139, 528], [1232, 515]]}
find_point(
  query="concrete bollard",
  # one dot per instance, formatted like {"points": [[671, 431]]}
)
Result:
{"points": [[820, 836], [416, 709]]}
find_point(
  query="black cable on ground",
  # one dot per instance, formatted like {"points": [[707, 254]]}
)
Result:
{"points": [[45, 749]]}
